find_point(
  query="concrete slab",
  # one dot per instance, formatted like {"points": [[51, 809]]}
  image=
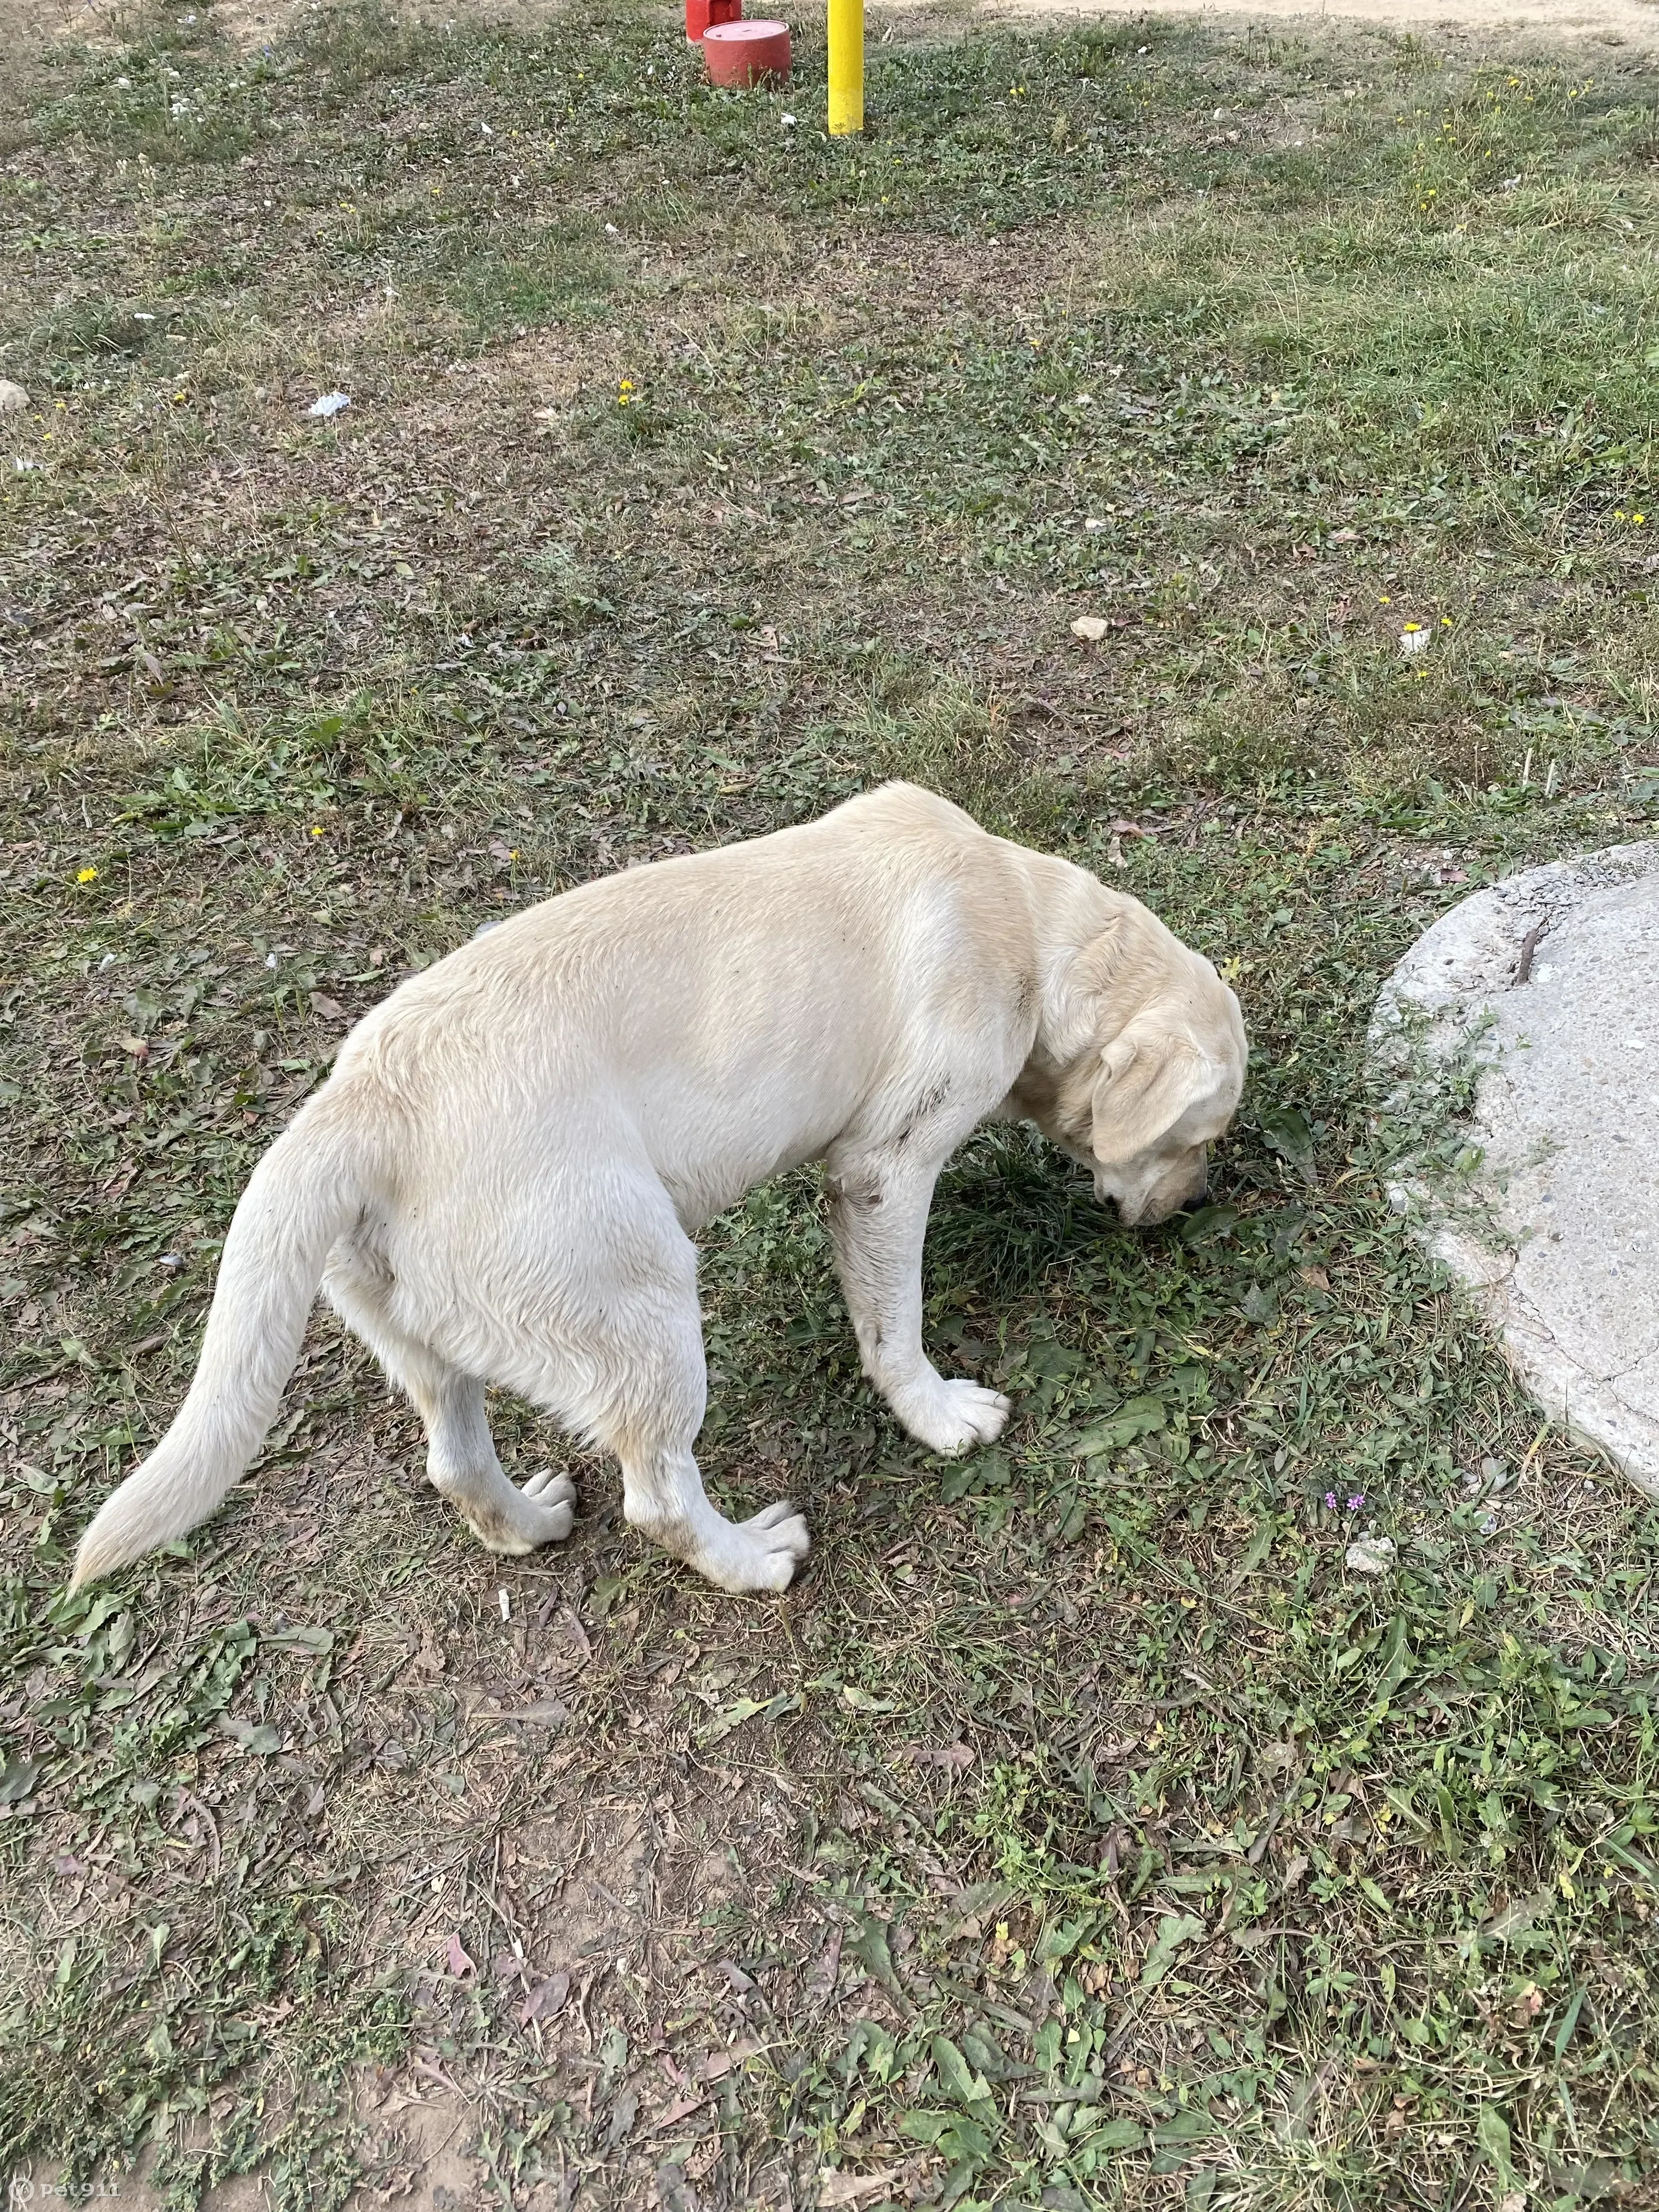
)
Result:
{"points": [[1550, 980]]}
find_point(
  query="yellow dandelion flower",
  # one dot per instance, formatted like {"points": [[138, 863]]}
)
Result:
{"points": [[316, 829], [87, 876]]}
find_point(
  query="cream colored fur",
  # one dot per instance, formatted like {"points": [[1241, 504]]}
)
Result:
{"points": [[502, 1180]]}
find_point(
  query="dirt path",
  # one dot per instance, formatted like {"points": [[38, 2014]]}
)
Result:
{"points": [[1495, 22], [27, 25]]}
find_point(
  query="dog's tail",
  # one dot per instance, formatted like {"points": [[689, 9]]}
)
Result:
{"points": [[303, 1195]]}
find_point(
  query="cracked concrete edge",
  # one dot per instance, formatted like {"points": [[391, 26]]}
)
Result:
{"points": [[1587, 1405], [1432, 1008]]}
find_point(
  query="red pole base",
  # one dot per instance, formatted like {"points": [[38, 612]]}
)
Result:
{"points": [[742, 54]]}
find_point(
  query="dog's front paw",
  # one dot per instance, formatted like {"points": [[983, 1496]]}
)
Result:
{"points": [[552, 1498], [954, 1417], [760, 1553], [507, 1519]]}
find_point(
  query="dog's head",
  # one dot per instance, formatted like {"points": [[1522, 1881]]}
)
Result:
{"points": [[1142, 1102], [1168, 1086]]}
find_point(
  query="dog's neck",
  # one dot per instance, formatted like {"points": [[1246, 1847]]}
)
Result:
{"points": [[1086, 980], [1090, 944]]}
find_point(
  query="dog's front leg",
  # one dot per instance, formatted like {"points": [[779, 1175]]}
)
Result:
{"points": [[878, 1205]]}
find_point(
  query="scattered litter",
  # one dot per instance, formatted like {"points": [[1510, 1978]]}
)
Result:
{"points": [[13, 398], [611, 230], [789, 122], [1414, 638], [1096, 522], [504, 1599], [1371, 1555], [331, 403], [1090, 628]]}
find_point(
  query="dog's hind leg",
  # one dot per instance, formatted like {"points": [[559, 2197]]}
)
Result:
{"points": [[460, 1462]]}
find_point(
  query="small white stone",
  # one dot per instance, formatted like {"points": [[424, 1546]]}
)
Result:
{"points": [[13, 398], [1371, 1555], [1090, 628]]}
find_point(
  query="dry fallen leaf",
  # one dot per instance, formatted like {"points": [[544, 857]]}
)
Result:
{"points": [[955, 1756], [545, 1999], [836, 2188]]}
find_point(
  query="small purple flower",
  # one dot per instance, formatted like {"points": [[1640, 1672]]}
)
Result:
{"points": [[1355, 1501], [1330, 1501]]}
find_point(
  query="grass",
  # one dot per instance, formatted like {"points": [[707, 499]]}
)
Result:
{"points": [[1080, 1831]]}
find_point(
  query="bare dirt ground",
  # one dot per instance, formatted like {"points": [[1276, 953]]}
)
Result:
{"points": [[1493, 23], [27, 25]]}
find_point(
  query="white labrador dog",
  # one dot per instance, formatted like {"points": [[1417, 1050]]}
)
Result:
{"points": [[501, 1179]]}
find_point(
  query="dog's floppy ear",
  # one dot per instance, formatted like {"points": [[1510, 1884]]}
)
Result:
{"points": [[1148, 1076]]}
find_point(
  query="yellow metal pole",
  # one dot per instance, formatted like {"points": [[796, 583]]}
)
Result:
{"points": [[845, 67]]}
